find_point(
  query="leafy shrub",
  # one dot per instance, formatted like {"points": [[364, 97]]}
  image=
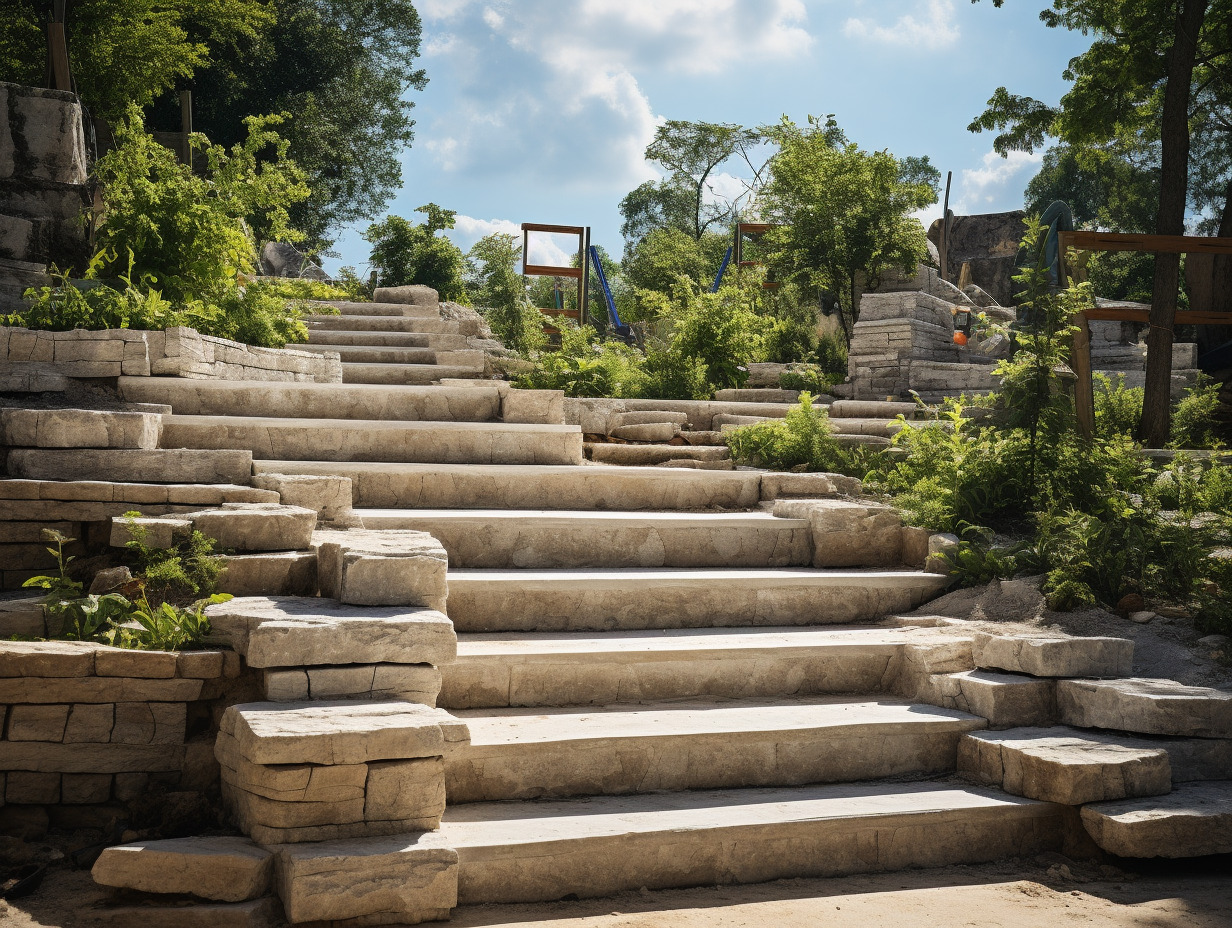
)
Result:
{"points": [[404, 253], [789, 339], [801, 441], [1193, 422], [497, 288], [831, 356], [808, 377], [177, 573], [1118, 408]]}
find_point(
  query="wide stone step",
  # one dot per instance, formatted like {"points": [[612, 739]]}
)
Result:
{"points": [[577, 600], [508, 538], [654, 454], [433, 326], [378, 440], [1151, 707], [170, 464], [377, 354], [398, 374], [529, 852], [873, 409], [315, 400], [325, 336], [462, 486], [384, 309], [563, 669], [1192, 821], [610, 750]]}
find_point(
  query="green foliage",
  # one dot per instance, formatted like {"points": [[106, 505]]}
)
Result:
{"points": [[1122, 275], [663, 256], [802, 441], [498, 289], [1194, 424], [404, 253], [978, 559], [346, 287], [585, 366], [177, 573], [1118, 408], [842, 212], [810, 378], [165, 627]]}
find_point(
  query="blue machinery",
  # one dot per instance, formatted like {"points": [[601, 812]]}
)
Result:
{"points": [[621, 329]]}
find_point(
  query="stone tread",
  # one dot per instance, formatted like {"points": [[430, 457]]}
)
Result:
{"points": [[378, 353], [598, 845], [1192, 821], [395, 374], [435, 341]]}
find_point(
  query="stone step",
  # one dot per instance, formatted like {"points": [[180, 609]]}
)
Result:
{"points": [[873, 409], [408, 374], [384, 309], [170, 464], [377, 440], [757, 395], [611, 750], [316, 400], [578, 600], [651, 455], [510, 538], [593, 487], [1151, 707], [325, 336], [530, 852], [377, 354], [427, 326], [562, 669], [1064, 765], [1192, 821]]}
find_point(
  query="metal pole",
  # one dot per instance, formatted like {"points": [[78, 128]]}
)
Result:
{"points": [[584, 281], [944, 246]]}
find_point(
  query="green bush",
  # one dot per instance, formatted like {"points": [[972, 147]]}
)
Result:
{"points": [[403, 253], [498, 290], [1118, 408], [808, 377], [1193, 423], [802, 441]]}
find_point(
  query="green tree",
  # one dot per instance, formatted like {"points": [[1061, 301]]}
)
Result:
{"points": [[657, 204], [664, 255], [494, 283], [130, 51], [403, 253], [841, 212], [1137, 78]]}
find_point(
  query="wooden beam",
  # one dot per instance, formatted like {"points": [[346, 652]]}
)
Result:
{"points": [[1154, 244], [1084, 387], [564, 230], [547, 270], [1183, 316]]}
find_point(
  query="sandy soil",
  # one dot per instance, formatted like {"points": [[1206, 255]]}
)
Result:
{"points": [[1047, 891]]}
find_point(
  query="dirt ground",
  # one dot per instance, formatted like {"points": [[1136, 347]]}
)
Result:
{"points": [[1040, 893]]}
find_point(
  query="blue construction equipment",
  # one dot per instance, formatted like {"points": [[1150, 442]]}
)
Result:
{"points": [[619, 327], [718, 278]]}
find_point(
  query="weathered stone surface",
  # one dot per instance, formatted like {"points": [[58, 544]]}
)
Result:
{"points": [[223, 869], [406, 878], [257, 526], [291, 782], [339, 732], [1153, 707], [96, 689], [155, 466], [149, 723], [21, 618], [1043, 655], [1063, 765], [45, 659], [328, 495], [152, 532], [411, 682], [1194, 820], [110, 580], [121, 662], [37, 723], [404, 790], [409, 294], [280, 259], [286, 631], [382, 568], [90, 758], [85, 788], [89, 723], [269, 573], [547, 406], [78, 428], [848, 533], [257, 913], [1005, 700], [650, 432], [915, 546], [200, 665]]}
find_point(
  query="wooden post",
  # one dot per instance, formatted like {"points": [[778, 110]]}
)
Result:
{"points": [[1080, 360], [186, 126], [944, 247], [584, 281], [59, 75]]}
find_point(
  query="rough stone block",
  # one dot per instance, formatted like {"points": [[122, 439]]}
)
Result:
{"points": [[147, 665], [382, 568], [1193, 821], [257, 526], [23, 787], [85, 788], [200, 665], [1005, 700], [848, 533], [79, 428], [915, 546], [121, 465], [405, 878], [543, 406], [408, 295], [1063, 765], [1042, 655], [1152, 707], [149, 723], [328, 495], [270, 573], [89, 723], [22, 618], [45, 659], [256, 913], [153, 532], [401, 790], [37, 723], [783, 486], [650, 432], [290, 782]]}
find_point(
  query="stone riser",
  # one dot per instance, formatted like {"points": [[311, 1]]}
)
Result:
{"points": [[513, 852], [315, 401], [384, 309], [408, 374], [435, 326], [376, 354], [625, 489], [500, 540], [564, 670], [654, 454], [379, 441], [324, 336], [517, 755], [544, 601]]}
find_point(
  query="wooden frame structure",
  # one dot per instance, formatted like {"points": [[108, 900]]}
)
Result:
{"points": [[751, 230], [1084, 389], [580, 273]]}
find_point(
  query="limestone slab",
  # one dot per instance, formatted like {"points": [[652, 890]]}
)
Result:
{"points": [[45, 659], [1063, 765], [290, 782], [573, 600], [407, 878], [328, 495], [269, 573], [287, 631], [403, 790], [382, 568], [257, 913], [697, 744], [257, 526], [1005, 700], [90, 758], [339, 732], [524, 852], [1192, 821], [169, 465], [223, 869], [510, 538], [1153, 707], [848, 533], [1044, 655], [79, 428]]}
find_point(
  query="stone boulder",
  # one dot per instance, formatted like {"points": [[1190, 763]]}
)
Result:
{"points": [[988, 242], [279, 259]]}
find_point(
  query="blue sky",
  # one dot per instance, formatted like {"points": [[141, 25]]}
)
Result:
{"points": [[539, 110]]}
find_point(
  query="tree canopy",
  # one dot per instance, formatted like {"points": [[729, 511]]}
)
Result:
{"points": [[404, 253]]}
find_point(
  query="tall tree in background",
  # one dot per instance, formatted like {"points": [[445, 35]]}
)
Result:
{"points": [[1138, 74], [403, 253]]}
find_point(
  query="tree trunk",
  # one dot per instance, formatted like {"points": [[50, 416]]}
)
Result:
{"points": [[1170, 220]]}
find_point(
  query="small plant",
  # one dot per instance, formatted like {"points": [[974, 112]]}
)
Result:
{"points": [[802, 441], [811, 378], [1193, 423], [61, 586], [165, 627], [176, 573]]}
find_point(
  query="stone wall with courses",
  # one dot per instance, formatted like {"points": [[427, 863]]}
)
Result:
{"points": [[177, 352], [110, 739]]}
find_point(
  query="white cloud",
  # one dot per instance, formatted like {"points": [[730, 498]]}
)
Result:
{"points": [[934, 28], [981, 188], [544, 249]]}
